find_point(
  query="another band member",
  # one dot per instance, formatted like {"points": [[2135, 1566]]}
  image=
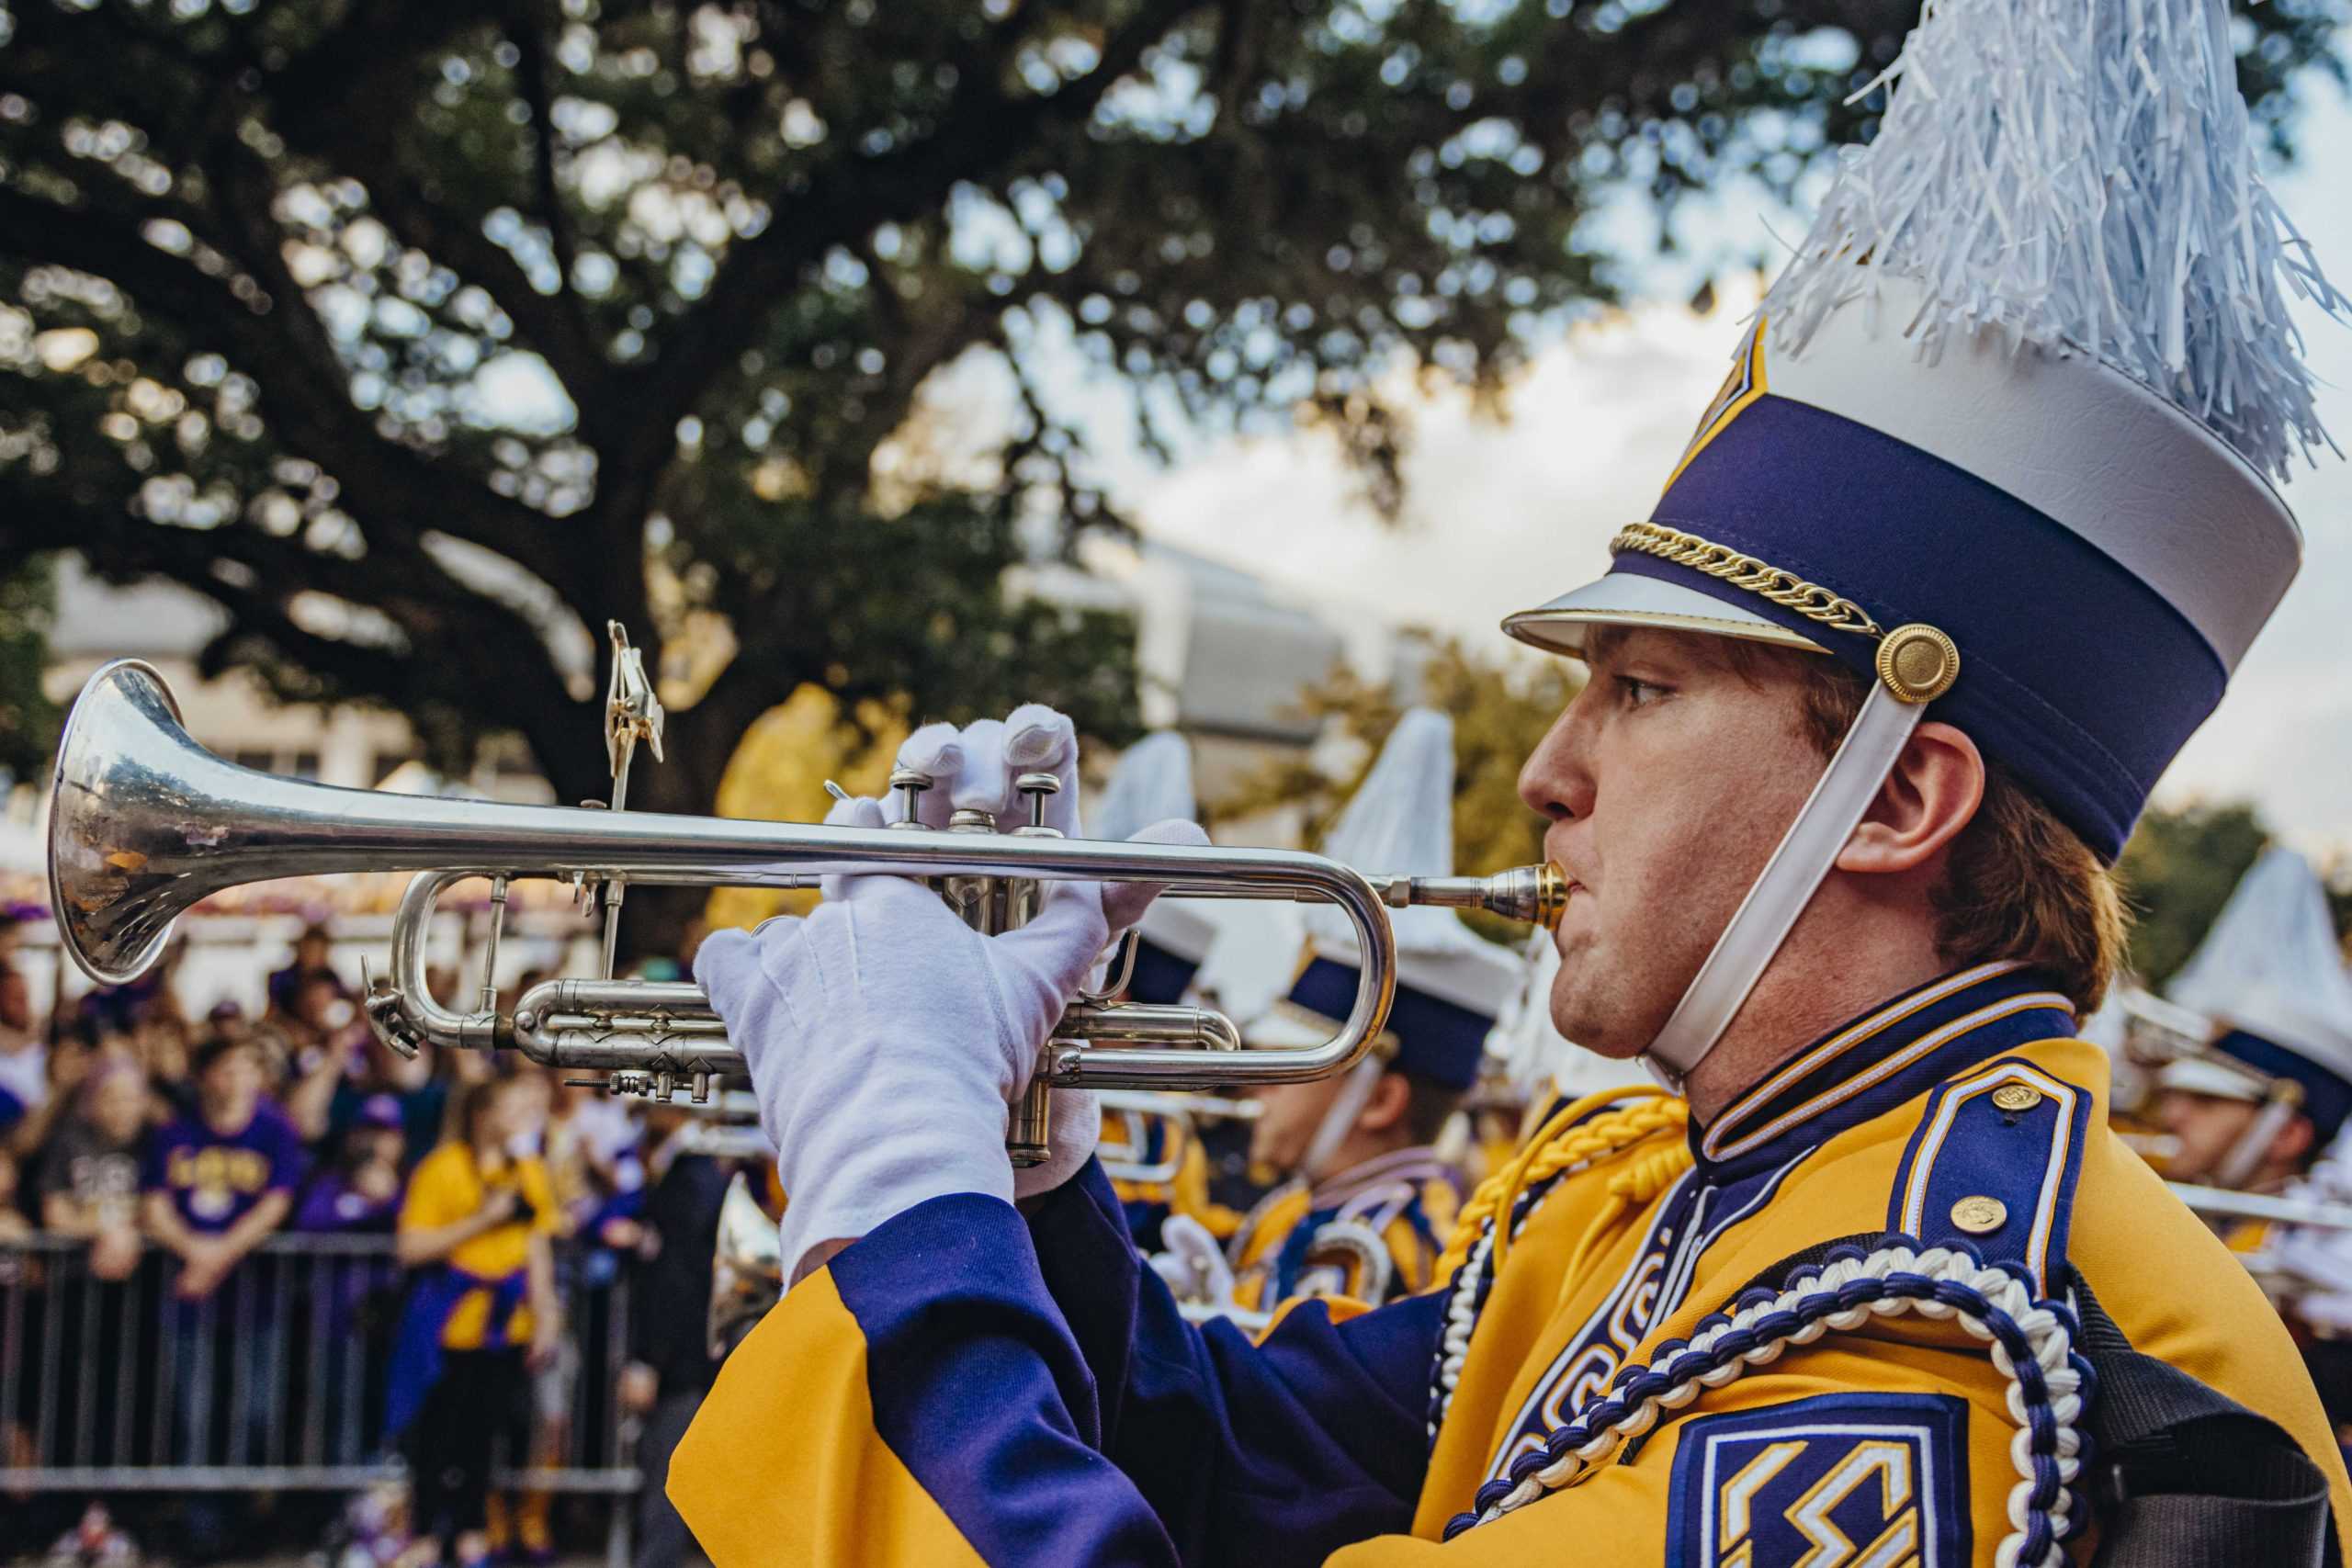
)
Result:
{"points": [[1369, 1204], [2274, 1084], [1960, 558]]}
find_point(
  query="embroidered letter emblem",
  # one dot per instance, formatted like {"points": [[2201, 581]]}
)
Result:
{"points": [[1843, 1481], [1742, 386]]}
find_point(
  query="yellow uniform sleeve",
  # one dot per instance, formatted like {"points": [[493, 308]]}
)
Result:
{"points": [[849, 1498]]}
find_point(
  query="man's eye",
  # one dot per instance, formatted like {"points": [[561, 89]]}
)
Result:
{"points": [[1638, 693]]}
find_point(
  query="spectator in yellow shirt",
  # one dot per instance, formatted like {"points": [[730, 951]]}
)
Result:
{"points": [[481, 1308]]}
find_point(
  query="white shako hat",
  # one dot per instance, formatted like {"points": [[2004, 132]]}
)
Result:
{"points": [[2002, 434], [1451, 982], [1153, 783], [2271, 978]]}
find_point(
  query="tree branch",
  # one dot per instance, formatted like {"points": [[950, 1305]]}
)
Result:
{"points": [[310, 404], [853, 197], [357, 129]]}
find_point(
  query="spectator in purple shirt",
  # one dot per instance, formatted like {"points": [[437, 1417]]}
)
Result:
{"points": [[219, 1182], [361, 1191]]}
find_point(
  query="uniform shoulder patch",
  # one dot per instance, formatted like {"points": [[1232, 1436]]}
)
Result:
{"points": [[1992, 1164], [1848, 1479]]}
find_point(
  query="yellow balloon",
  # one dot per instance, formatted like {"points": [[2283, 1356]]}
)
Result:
{"points": [[778, 775]]}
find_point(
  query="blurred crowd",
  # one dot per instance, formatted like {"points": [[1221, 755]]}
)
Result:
{"points": [[176, 1148]]}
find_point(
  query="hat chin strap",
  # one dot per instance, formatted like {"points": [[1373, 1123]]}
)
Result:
{"points": [[1786, 885], [2245, 1156], [1339, 1118]]}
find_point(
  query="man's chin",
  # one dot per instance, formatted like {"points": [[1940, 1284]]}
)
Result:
{"points": [[1589, 1029], [1595, 1023]]}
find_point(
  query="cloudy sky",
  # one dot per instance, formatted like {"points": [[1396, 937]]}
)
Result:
{"points": [[1504, 515]]}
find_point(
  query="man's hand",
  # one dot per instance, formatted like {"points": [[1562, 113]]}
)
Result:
{"points": [[205, 1261], [886, 1038], [547, 1340], [114, 1252]]}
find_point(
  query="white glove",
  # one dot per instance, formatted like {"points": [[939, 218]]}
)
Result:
{"points": [[886, 1038]]}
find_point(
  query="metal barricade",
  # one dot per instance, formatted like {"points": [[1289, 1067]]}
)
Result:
{"points": [[276, 1381]]}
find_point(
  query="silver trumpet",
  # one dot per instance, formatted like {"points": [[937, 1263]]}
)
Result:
{"points": [[144, 822]]}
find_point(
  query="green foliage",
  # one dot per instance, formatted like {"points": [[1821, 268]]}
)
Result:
{"points": [[2179, 870], [1499, 713], [272, 277], [27, 718]]}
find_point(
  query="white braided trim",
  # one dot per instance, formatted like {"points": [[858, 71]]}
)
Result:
{"points": [[1461, 1318], [2044, 1330]]}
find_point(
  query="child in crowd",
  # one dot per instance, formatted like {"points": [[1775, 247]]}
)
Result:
{"points": [[482, 1312]]}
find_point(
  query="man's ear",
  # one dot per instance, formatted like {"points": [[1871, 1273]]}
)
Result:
{"points": [[1929, 795], [1386, 1105], [2294, 1141]]}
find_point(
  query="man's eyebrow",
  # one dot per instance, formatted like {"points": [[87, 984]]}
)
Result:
{"points": [[1603, 645]]}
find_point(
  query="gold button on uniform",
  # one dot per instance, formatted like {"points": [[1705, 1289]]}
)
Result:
{"points": [[2016, 1097], [1980, 1215]]}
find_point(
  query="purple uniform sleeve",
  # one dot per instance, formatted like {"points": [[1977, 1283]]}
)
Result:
{"points": [[1042, 1388]]}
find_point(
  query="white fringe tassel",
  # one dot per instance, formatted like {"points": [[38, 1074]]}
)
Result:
{"points": [[2078, 174]]}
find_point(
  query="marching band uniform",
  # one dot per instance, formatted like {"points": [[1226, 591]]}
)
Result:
{"points": [[1907, 1300], [2270, 979], [1080, 1420], [1372, 1231]]}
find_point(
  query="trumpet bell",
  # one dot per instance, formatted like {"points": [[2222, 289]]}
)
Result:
{"points": [[747, 1269], [134, 835]]}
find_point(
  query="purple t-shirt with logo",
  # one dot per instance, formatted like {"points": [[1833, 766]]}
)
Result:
{"points": [[215, 1180]]}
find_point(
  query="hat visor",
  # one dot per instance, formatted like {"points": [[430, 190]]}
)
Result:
{"points": [[1285, 1029], [2202, 1075], [1624, 599]]}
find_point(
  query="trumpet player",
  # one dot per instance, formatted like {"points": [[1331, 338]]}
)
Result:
{"points": [[1955, 562], [1368, 1203]]}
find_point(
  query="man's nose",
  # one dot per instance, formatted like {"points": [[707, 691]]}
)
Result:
{"points": [[1557, 780]]}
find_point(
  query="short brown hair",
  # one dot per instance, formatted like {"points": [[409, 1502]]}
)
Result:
{"points": [[2019, 883]]}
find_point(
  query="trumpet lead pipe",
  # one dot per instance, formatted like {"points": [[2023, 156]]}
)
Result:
{"points": [[1534, 895]]}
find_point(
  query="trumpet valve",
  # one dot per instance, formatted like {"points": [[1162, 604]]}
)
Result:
{"points": [[1037, 788], [909, 784]]}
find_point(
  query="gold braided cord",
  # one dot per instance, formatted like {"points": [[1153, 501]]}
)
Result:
{"points": [[1809, 600], [1650, 1172], [1562, 1142]]}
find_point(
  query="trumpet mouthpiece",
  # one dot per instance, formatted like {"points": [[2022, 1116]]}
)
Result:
{"points": [[1535, 895]]}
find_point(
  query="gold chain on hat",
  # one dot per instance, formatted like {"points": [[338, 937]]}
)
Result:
{"points": [[1810, 600]]}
